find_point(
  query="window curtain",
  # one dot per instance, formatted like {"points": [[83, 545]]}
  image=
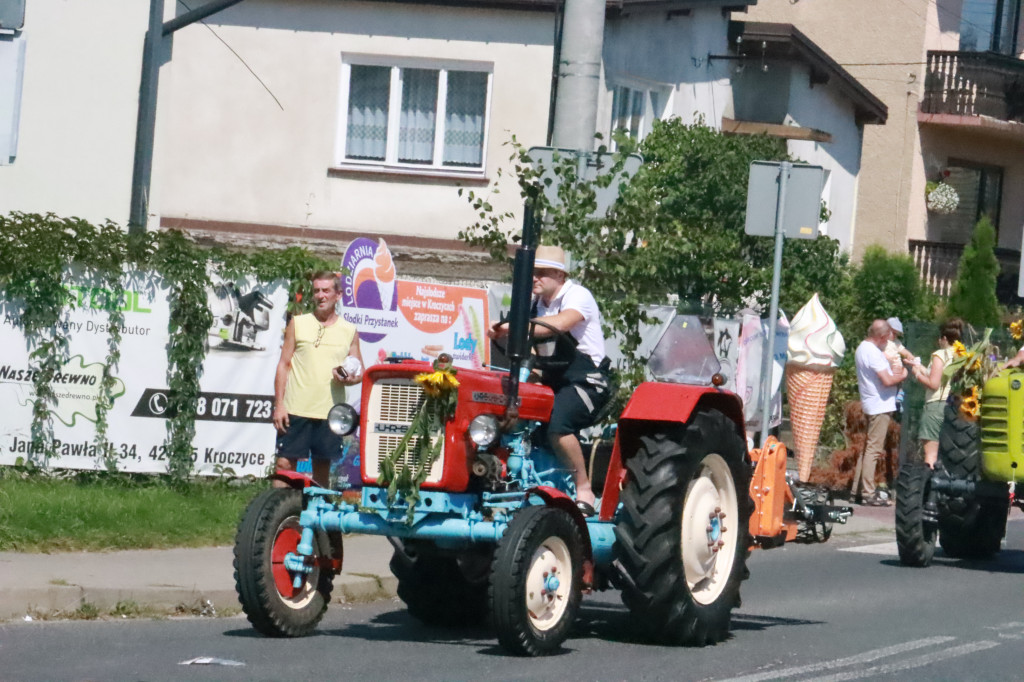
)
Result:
{"points": [[368, 90], [636, 113], [628, 110], [419, 113], [464, 118]]}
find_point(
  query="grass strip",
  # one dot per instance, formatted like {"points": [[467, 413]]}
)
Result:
{"points": [[43, 514]]}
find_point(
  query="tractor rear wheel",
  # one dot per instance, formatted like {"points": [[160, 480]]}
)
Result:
{"points": [[683, 539], [268, 532], [442, 590], [536, 581], [915, 537]]}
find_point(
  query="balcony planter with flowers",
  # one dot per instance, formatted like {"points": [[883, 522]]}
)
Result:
{"points": [[941, 198]]}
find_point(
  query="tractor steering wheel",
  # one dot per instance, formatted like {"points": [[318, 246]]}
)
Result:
{"points": [[564, 352]]}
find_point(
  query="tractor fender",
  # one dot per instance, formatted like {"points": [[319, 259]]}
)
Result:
{"points": [[554, 497], [293, 478], [664, 402], [653, 406]]}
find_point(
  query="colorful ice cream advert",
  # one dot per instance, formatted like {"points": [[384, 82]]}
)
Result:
{"points": [[407, 319], [814, 340], [368, 287]]}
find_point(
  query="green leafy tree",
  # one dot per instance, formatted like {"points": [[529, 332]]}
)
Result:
{"points": [[974, 292], [677, 228]]}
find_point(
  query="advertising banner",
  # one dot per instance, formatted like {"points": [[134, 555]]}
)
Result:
{"points": [[407, 319], [234, 431], [753, 333]]}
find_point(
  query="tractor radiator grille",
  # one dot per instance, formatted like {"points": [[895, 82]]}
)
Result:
{"points": [[392, 406], [995, 424]]}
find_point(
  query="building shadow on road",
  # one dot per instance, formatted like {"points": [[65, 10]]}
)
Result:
{"points": [[1006, 561]]}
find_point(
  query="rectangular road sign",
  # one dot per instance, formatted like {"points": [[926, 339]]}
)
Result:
{"points": [[803, 200], [590, 166]]}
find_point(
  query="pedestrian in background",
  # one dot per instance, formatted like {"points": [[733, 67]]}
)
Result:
{"points": [[878, 382], [311, 377], [937, 389], [896, 354]]}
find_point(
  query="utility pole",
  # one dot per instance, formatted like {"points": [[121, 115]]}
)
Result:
{"points": [[579, 75], [157, 38]]}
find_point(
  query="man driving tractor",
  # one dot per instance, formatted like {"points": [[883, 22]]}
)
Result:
{"points": [[582, 388]]}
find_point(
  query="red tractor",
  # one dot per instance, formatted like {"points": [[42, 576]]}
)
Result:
{"points": [[491, 529]]}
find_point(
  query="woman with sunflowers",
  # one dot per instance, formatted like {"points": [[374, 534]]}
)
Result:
{"points": [[937, 388]]}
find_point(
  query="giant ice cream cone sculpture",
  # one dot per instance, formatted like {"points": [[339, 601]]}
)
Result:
{"points": [[815, 350]]}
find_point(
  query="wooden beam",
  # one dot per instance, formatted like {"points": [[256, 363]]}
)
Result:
{"points": [[774, 130]]}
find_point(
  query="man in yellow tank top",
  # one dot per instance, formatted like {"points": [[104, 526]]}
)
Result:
{"points": [[311, 379]]}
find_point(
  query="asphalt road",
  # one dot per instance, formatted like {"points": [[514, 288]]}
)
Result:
{"points": [[842, 611]]}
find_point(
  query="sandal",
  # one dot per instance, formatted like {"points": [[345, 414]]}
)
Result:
{"points": [[586, 508]]}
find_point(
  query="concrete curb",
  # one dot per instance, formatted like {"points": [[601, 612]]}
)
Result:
{"points": [[67, 601]]}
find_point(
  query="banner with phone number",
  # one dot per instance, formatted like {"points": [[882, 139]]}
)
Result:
{"points": [[234, 431]]}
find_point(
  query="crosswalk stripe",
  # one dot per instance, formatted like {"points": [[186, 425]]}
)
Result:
{"points": [[885, 548], [866, 657], [910, 663]]}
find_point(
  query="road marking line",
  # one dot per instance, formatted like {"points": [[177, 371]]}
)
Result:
{"points": [[918, 662], [865, 657], [886, 548]]}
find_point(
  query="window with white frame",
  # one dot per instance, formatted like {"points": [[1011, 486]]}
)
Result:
{"points": [[415, 115], [634, 109]]}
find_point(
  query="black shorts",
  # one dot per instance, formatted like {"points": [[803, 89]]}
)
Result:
{"points": [[575, 408], [308, 437]]}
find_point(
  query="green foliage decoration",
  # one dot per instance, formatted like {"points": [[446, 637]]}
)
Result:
{"points": [[35, 254], [38, 252], [425, 435], [974, 293]]}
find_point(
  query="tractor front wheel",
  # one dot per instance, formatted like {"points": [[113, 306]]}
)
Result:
{"points": [[536, 581], [268, 532], [915, 537], [683, 538]]}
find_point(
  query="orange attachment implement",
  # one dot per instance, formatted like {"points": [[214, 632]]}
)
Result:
{"points": [[771, 495]]}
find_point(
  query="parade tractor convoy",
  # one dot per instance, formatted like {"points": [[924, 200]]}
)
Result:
{"points": [[964, 502], [493, 533]]}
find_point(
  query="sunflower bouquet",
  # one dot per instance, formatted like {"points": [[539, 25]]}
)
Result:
{"points": [[969, 370], [404, 476]]}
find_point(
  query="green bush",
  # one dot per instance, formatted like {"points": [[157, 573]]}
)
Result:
{"points": [[888, 285], [974, 292]]}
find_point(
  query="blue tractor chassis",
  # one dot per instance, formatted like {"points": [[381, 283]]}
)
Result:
{"points": [[449, 520]]}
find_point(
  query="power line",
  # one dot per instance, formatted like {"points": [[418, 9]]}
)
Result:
{"points": [[238, 56]]}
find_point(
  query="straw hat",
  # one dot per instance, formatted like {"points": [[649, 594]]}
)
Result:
{"points": [[550, 257]]}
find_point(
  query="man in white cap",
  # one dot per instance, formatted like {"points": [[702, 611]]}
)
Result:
{"points": [[582, 388]]}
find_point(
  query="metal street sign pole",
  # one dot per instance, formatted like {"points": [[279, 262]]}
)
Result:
{"points": [[768, 365], [145, 127]]}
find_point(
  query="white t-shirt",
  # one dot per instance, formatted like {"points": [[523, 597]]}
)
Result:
{"points": [[875, 397], [587, 332]]}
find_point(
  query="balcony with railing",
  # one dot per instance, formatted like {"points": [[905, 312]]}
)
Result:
{"points": [[974, 84], [938, 262]]}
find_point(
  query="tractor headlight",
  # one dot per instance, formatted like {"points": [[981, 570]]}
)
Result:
{"points": [[342, 419], [483, 430]]}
